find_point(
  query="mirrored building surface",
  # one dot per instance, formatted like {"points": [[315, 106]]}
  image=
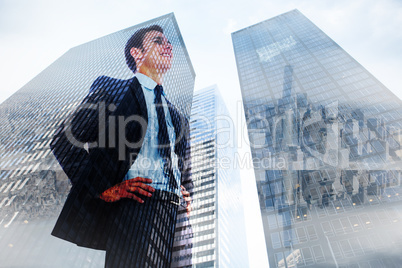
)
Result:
{"points": [[33, 186], [326, 143], [215, 233]]}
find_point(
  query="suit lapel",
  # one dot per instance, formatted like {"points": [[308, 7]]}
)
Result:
{"points": [[176, 120], [137, 92]]}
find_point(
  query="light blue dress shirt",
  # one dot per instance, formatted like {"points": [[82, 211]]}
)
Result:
{"points": [[149, 163]]}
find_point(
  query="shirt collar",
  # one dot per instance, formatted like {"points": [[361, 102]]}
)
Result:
{"points": [[147, 82]]}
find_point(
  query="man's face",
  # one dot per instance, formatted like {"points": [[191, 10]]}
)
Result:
{"points": [[156, 53]]}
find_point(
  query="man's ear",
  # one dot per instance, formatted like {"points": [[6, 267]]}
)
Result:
{"points": [[136, 53]]}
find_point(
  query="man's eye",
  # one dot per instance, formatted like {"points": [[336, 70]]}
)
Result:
{"points": [[158, 41]]}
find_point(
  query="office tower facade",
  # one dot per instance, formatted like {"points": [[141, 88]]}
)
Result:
{"points": [[325, 139], [33, 185], [215, 234]]}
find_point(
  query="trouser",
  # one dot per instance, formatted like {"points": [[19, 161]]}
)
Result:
{"points": [[144, 234]]}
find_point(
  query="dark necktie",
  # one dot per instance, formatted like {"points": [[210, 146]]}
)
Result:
{"points": [[163, 138]]}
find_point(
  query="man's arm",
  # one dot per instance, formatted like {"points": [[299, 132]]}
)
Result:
{"points": [[71, 138], [128, 189], [187, 198], [186, 182], [74, 136]]}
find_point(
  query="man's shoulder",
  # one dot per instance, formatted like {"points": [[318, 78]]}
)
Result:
{"points": [[109, 84], [110, 90]]}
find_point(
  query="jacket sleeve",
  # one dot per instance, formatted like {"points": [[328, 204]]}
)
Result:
{"points": [[75, 135], [85, 218], [182, 145], [186, 165]]}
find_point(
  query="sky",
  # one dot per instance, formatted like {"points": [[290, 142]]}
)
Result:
{"points": [[33, 34]]}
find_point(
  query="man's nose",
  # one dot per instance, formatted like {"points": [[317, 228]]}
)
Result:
{"points": [[168, 45]]}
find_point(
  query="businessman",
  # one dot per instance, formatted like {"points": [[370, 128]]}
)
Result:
{"points": [[126, 152]]}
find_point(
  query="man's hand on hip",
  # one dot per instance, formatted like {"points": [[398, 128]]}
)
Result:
{"points": [[187, 198], [129, 189]]}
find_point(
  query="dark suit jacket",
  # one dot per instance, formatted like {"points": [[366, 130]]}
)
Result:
{"points": [[109, 121]]}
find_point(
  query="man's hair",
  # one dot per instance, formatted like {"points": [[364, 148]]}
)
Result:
{"points": [[136, 41]]}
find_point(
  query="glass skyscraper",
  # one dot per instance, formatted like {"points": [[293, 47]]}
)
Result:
{"points": [[326, 145], [33, 188], [215, 234]]}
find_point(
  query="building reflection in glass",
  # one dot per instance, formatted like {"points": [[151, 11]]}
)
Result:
{"points": [[326, 144]]}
